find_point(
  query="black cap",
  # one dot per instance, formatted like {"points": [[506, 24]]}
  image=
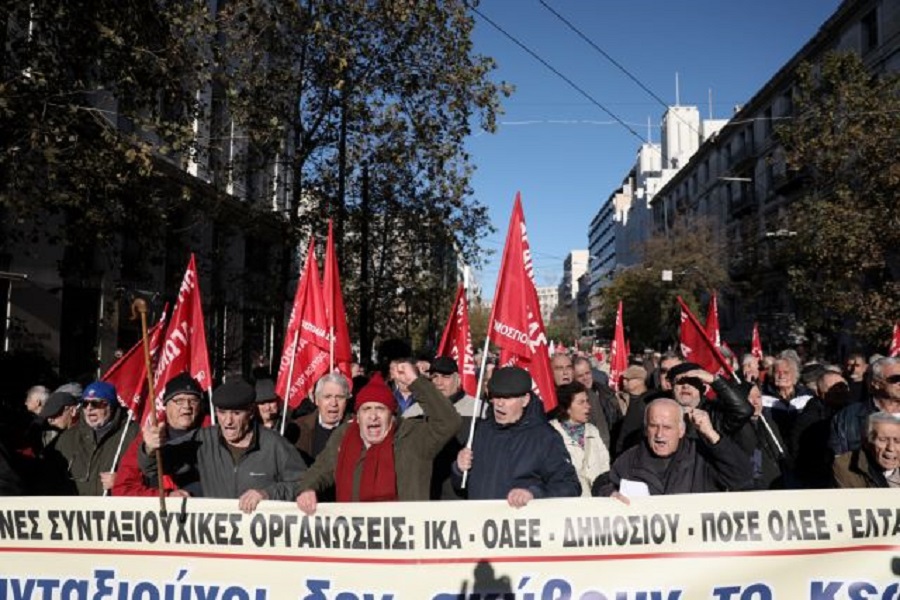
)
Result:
{"points": [[265, 391], [681, 369], [444, 365], [55, 403], [182, 383], [509, 382], [234, 395]]}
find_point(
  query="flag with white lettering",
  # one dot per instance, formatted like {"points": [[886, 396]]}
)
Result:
{"points": [[335, 312], [184, 345], [618, 354], [304, 357], [516, 325], [456, 342], [129, 373]]}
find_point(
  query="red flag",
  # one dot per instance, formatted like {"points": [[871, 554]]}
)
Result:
{"points": [[129, 373], [618, 353], [516, 325], [184, 345], [696, 346], [756, 348], [335, 312], [304, 357], [712, 322], [895, 341], [457, 342]]}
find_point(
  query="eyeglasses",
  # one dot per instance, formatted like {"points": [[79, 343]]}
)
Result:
{"points": [[893, 378], [95, 403], [186, 401]]}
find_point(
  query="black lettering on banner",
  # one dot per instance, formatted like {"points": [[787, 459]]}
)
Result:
{"points": [[19, 525], [631, 530], [801, 525], [724, 526], [442, 535], [520, 533], [53, 515], [874, 522]]}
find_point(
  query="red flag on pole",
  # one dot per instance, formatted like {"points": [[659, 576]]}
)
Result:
{"points": [[618, 353], [341, 354], [184, 345], [304, 357], [516, 325], [712, 322], [129, 373], [895, 341], [756, 348], [696, 346], [456, 342]]}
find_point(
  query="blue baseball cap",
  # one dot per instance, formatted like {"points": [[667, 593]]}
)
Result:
{"points": [[100, 390]]}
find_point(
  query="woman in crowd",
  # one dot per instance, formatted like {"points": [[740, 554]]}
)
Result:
{"points": [[590, 456]]}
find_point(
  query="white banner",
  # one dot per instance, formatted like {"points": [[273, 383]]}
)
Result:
{"points": [[840, 544]]}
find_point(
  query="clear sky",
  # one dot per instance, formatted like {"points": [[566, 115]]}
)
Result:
{"points": [[562, 151]]}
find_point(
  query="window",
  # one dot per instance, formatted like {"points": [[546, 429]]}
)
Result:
{"points": [[869, 25], [767, 122]]}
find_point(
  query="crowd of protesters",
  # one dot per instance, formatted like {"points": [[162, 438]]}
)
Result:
{"points": [[402, 433]]}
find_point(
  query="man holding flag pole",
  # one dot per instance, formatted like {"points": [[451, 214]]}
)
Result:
{"points": [[515, 454]]}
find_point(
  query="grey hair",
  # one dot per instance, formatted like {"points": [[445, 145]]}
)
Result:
{"points": [[879, 365], [38, 391], [747, 358], [335, 378], [663, 400], [880, 417]]}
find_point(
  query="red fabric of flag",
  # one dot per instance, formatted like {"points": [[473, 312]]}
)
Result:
{"points": [[712, 322], [516, 325], [895, 341], [456, 342], [335, 312], [129, 373], [756, 348], [696, 346], [184, 345], [618, 353], [304, 357]]}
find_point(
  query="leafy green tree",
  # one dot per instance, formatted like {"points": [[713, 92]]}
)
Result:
{"points": [[843, 142], [695, 258]]}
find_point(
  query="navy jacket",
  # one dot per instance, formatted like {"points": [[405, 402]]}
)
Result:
{"points": [[527, 454]]}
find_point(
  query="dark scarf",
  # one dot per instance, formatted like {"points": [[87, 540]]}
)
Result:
{"points": [[379, 478]]}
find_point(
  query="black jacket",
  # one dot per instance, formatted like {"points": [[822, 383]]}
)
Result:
{"points": [[696, 466], [527, 454]]}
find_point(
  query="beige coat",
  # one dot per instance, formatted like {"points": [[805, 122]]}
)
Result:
{"points": [[590, 461]]}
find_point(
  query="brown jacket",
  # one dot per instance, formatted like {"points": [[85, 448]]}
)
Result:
{"points": [[416, 443], [856, 469]]}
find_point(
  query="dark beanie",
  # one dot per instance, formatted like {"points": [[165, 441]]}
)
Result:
{"points": [[681, 369], [182, 383]]}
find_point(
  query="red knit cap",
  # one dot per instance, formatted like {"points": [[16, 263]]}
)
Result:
{"points": [[376, 390]]}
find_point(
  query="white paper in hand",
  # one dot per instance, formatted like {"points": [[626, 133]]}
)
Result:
{"points": [[633, 489]]}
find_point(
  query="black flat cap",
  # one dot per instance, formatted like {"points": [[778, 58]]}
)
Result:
{"points": [[509, 382], [444, 365], [265, 391], [55, 404], [681, 369], [234, 395]]}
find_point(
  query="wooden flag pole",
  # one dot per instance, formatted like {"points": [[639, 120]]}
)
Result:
{"points": [[139, 306]]}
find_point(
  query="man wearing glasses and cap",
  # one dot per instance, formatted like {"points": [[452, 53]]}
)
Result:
{"points": [[89, 448], [849, 426]]}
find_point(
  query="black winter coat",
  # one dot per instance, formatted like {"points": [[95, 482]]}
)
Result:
{"points": [[527, 454]]}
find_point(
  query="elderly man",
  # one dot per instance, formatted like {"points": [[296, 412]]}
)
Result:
{"points": [[666, 362], [810, 452], [877, 463], [182, 399], [668, 462], [855, 369], [236, 458], [444, 374], [848, 425], [562, 369], [516, 455], [730, 410], [35, 398], [784, 394], [379, 456], [604, 408], [331, 395], [89, 448], [59, 413]]}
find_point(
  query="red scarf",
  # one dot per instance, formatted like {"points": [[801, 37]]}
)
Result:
{"points": [[379, 479]]}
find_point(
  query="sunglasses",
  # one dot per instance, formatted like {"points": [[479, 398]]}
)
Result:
{"points": [[95, 403], [893, 378]]}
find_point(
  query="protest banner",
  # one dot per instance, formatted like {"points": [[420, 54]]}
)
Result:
{"points": [[818, 544]]}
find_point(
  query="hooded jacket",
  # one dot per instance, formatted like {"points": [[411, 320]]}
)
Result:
{"points": [[527, 454]]}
